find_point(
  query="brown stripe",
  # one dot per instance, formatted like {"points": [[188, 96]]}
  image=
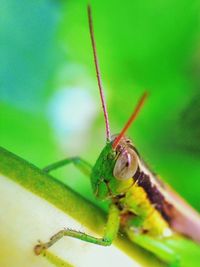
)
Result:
{"points": [[154, 195]]}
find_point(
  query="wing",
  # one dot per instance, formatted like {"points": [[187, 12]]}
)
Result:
{"points": [[184, 219], [181, 216]]}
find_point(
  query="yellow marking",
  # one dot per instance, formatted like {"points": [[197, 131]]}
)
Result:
{"points": [[136, 201]]}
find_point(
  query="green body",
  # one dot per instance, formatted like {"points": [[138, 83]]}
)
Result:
{"points": [[148, 228], [131, 212]]}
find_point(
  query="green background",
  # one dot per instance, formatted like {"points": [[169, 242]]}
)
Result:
{"points": [[49, 100]]}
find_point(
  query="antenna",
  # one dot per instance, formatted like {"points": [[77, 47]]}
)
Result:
{"points": [[131, 119], [103, 102]]}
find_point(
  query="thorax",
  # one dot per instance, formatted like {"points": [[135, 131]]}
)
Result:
{"points": [[138, 212]]}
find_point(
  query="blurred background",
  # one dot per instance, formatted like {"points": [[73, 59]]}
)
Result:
{"points": [[49, 99]]}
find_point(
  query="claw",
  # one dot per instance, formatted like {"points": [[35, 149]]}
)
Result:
{"points": [[38, 249]]}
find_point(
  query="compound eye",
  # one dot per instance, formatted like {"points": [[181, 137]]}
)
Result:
{"points": [[126, 165]]}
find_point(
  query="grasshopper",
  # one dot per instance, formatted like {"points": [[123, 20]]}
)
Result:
{"points": [[142, 206]]}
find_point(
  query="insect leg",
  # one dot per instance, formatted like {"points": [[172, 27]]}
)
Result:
{"points": [[157, 246], [81, 164], [110, 233]]}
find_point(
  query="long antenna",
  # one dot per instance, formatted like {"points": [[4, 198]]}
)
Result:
{"points": [[103, 102], [131, 119]]}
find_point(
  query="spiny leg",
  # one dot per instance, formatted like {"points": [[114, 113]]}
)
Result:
{"points": [[110, 233], [81, 164]]}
